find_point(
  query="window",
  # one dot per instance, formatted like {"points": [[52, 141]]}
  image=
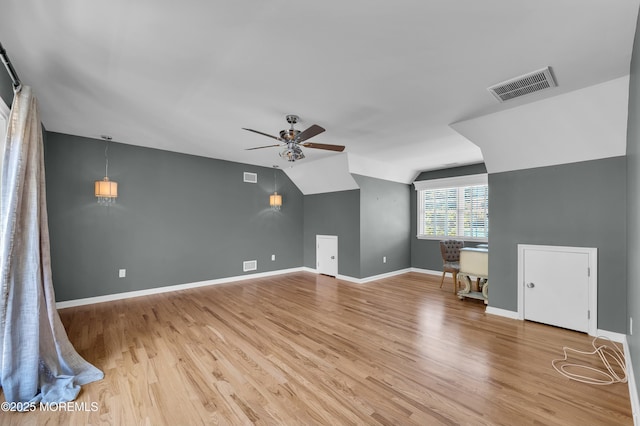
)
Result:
{"points": [[454, 208]]}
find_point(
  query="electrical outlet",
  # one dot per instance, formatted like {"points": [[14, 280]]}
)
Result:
{"points": [[384, 259], [122, 273], [273, 257]]}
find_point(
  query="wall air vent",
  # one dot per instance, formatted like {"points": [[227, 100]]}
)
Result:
{"points": [[249, 265], [523, 85], [250, 177]]}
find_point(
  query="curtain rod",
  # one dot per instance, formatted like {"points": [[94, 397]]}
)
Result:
{"points": [[12, 72]]}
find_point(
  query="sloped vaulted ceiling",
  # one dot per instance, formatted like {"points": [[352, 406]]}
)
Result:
{"points": [[582, 125]]}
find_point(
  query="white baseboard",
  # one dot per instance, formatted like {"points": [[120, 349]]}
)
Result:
{"points": [[350, 279], [631, 381], [502, 312], [616, 337], [169, 288], [363, 280], [178, 287], [611, 335], [374, 277], [426, 271]]}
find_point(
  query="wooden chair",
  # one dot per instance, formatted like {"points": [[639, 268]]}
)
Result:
{"points": [[450, 250]]}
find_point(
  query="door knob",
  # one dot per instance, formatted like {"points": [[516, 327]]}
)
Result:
{"points": [[530, 285], [333, 257]]}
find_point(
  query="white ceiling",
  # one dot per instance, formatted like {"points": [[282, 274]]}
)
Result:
{"points": [[582, 125], [386, 79]]}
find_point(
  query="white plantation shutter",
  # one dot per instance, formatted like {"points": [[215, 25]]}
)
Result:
{"points": [[454, 208], [440, 211], [475, 211]]}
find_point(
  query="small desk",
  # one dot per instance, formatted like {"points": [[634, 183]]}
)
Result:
{"points": [[474, 262]]}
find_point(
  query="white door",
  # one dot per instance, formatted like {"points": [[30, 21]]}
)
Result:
{"points": [[327, 254], [556, 288]]}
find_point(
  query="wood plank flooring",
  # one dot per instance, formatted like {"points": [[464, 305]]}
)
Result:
{"points": [[306, 349]]}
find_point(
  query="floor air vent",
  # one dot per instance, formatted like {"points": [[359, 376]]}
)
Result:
{"points": [[523, 85]]}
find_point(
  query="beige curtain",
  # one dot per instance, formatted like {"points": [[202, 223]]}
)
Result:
{"points": [[37, 361]]}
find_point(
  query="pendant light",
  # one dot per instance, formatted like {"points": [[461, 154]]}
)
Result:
{"points": [[106, 190], [275, 199]]}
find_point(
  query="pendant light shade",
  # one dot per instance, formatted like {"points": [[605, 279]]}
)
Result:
{"points": [[275, 201], [106, 191]]}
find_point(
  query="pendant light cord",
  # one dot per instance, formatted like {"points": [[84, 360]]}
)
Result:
{"points": [[106, 139], [106, 160], [106, 155]]}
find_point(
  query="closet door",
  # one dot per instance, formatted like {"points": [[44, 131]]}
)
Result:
{"points": [[556, 286], [327, 255]]}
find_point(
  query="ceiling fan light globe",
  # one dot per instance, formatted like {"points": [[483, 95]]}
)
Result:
{"points": [[292, 154], [286, 155]]}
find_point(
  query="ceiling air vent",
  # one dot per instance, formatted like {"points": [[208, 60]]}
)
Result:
{"points": [[523, 85]]}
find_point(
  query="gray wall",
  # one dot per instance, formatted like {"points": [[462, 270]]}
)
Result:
{"points": [[385, 225], [425, 254], [334, 213], [633, 207], [580, 204], [178, 218]]}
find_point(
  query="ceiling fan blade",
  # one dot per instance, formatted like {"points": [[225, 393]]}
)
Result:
{"points": [[261, 133], [309, 133], [260, 147], [338, 148]]}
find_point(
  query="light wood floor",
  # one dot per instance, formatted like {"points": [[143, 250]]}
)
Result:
{"points": [[308, 349]]}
